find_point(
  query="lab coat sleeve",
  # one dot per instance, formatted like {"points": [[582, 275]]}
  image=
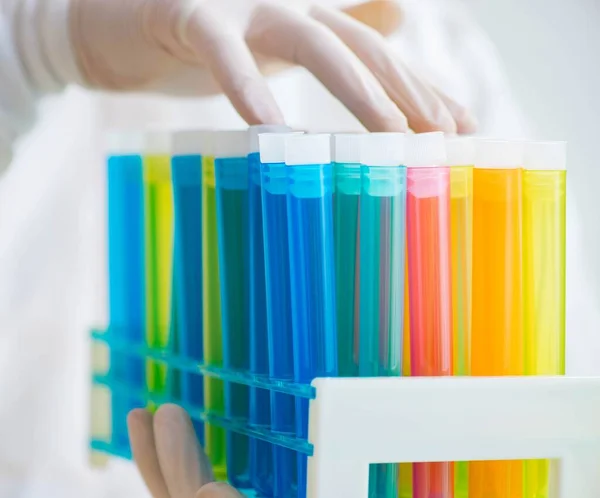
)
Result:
{"points": [[36, 58]]}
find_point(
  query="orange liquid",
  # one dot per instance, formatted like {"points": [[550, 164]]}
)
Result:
{"points": [[497, 325]]}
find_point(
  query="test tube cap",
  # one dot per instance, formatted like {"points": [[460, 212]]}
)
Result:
{"points": [[498, 154], [425, 150], [308, 149], [230, 143], [255, 131], [190, 142], [346, 147], [272, 146], [545, 156], [460, 151], [158, 141], [383, 149], [125, 142]]}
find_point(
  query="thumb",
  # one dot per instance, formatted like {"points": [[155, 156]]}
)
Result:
{"points": [[218, 490], [384, 16]]}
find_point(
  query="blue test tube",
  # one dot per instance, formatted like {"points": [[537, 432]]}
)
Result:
{"points": [[279, 305], [346, 163], [261, 452], [231, 172], [186, 170], [126, 279], [382, 264], [312, 271]]}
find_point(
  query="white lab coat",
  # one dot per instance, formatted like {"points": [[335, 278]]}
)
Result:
{"points": [[52, 242]]}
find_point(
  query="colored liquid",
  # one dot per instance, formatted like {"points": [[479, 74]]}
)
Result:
{"points": [[187, 289], [497, 340], [461, 221], [232, 216], [261, 452], [382, 264], [346, 202], [544, 235], [126, 280], [312, 279], [214, 396], [279, 320], [430, 286], [158, 200]]}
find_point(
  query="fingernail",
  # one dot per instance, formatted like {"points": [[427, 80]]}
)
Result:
{"points": [[218, 490]]}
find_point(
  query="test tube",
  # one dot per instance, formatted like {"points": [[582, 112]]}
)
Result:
{"points": [[496, 333], [214, 396], [279, 305], [544, 235], [382, 264], [430, 283], [461, 158], [125, 270], [261, 452], [312, 270], [158, 202], [346, 157], [186, 169], [231, 172]]}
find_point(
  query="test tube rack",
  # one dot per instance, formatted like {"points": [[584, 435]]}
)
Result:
{"points": [[358, 421]]}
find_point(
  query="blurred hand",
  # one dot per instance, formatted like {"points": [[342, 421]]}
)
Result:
{"points": [[192, 47], [168, 456]]}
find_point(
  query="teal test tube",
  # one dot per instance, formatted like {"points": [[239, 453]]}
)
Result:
{"points": [[382, 260], [126, 279], [346, 157], [312, 268], [231, 172], [261, 452]]}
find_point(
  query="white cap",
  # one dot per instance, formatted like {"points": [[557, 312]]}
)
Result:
{"points": [[125, 142], [545, 155], [382, 149], [308, 149], [190, 142], [255, 131], [346, 147], [158, 141], [272, 146], [425, 150], [498, 154], [230, 143], [460, 151]]}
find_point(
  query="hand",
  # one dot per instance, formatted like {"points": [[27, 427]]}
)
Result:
{"points": [[200, 46], [168, 456]]}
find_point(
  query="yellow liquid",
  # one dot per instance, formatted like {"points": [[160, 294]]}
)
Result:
{"points": [[158, 205], [461, 223], [405, 487], [544, 239], [497, 317], [214, 393]]}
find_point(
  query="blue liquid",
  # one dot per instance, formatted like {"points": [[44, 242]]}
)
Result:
{"points": [[279, 320], [312, 278], [126, 281], [382, 248], [187, 275], [261, 452], [232, 220]]}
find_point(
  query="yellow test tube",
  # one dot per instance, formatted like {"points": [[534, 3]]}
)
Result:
{"points": [[497, 318], [544, 240], [460, 153], [158, 207]]}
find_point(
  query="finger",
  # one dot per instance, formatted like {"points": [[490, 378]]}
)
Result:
{"points": [[424, 109], [184, 466], [229, 59], [141, 435], [384, 16], [218, 490], [280, 32], [466, 122]]}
